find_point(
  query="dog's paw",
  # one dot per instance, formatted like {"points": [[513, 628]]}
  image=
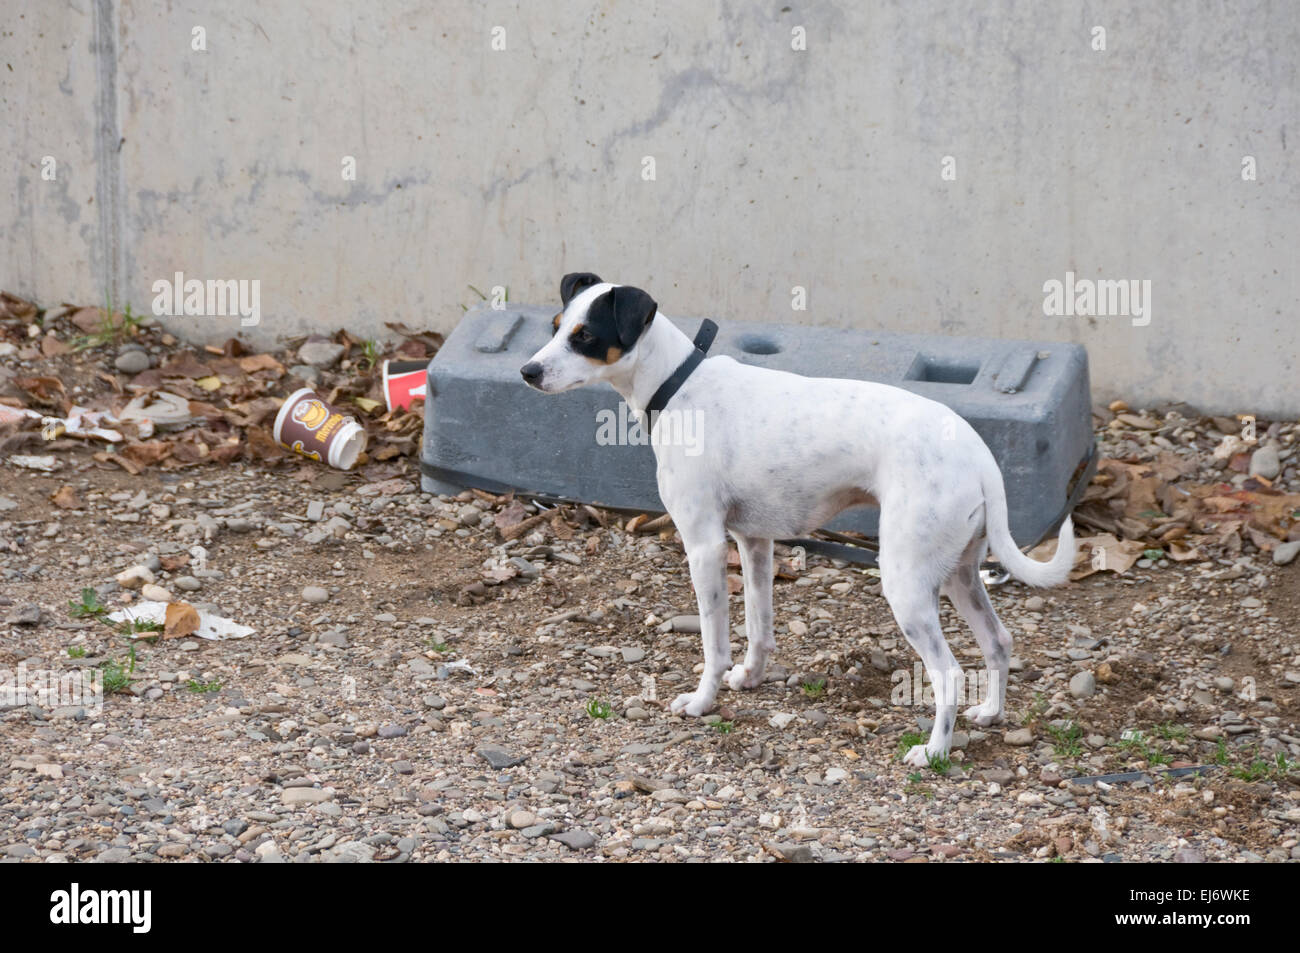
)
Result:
{"points": [[743, 677], [688, 704], [982, 715], [919, 756]]}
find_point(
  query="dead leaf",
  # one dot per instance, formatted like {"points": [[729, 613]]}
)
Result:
{"points": [[42, 389], [121, 461], [185, 364], [560, 527], [260, 362], [430, 339], [66, 498], [13, 307], [494, 577], [181, 619], [146, 454], [262, 446]]}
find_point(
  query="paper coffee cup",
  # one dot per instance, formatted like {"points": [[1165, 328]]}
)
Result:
{"points": [[405, 382], [308, 425]]}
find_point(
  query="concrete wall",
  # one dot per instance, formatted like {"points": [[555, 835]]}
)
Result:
{"points": [[775, 168]]}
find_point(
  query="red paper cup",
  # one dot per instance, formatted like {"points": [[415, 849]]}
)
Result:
{"points": [[308, 425], [405, 382]]}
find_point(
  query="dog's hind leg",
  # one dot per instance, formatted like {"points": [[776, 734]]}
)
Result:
{"points": [[965, 590], [914, 599], [756, 565], [706, 552]]}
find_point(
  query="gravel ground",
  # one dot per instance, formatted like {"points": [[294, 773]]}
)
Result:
{"points": [[343, 730]]}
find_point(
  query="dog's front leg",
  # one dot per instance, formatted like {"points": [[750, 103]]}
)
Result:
{"points": [[707, 556]]}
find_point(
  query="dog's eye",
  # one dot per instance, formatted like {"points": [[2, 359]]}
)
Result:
{"points": [[583, 336]]}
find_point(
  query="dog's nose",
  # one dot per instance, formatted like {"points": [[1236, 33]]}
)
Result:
{"points": [[532, 372]]}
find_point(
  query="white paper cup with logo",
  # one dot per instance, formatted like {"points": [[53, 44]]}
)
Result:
{"points": [[306, 424]]}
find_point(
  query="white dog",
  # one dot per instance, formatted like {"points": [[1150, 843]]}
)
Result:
{"points": [[778, 456]]}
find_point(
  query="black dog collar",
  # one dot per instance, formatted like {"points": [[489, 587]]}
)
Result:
{"points": [[703, 341]]}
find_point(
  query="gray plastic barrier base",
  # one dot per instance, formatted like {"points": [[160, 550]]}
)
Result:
{"points": [[484, 427]]}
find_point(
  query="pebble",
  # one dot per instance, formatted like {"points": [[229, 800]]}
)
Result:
{"points": [[1265, 462], [575, 839], [1285, 553], [320, 353], [132, 362], [521, 819], [353, 852], [26, 615], [1019, 737], [188, 584], [1083, 685], [315, 594], [135, 577], [155, 593], [498, 758], [294, 797], [306, 373]]}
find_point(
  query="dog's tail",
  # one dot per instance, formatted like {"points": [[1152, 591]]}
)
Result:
{"points": [[1029, 571]]}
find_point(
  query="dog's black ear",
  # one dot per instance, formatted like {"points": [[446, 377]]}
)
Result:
{"points": [[572, 283], [633, 312]]}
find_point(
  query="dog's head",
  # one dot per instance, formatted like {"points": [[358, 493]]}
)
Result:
{"points": [[594, 336]]}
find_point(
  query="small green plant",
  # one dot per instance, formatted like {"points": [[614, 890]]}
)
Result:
{"points": [[1136, 743], [1037, 711], [1156, 756], [110, 332], [1067, 740], [1171, 732], [76, 651], [370, 352], [439, 646], [203, 688], [132, 626], [1259, 768], [88, 606], [598, 708], [907, 741], [118, 677], [725, 727], [914, 785], [1153, 554], [815, 689], [940, 764], [1221, 756]]}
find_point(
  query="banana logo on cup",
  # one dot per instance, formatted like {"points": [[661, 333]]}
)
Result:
{"points": [[311, 413]]}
